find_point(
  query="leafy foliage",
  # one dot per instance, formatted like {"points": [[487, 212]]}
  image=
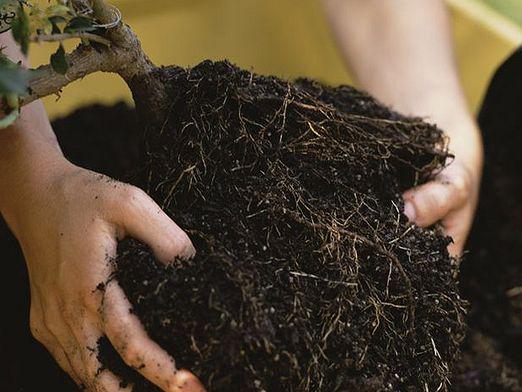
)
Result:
{"points": [[21, 29], [37, 21], [13, 78], [5, 2], [79, 24], [59, 61]]}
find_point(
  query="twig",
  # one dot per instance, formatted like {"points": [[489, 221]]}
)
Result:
{"points": [[83, 61], [64, 37]]}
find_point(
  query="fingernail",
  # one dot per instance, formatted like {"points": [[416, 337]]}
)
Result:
{"points": [[409, 211]]}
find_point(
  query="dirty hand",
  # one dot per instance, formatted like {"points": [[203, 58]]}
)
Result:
{"points": [[68, 226], [451, 197]]}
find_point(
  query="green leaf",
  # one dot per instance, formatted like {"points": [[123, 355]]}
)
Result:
{"points": [[59, 61], [55, 20], [13, 78], [79, 24], [57, 10], [56, 29], [7, 2], [21, 29], [9, 119]]}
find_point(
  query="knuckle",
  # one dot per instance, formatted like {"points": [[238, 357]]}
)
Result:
{"points": [[428, 201], [180, 245], [116, 328], [131, 353], [73, 314], [183, 243], [132, 196], [461, 185], [50, 322], [435, 199], [69, 313], [186, 380], [37, 330], [122, 196], [90, 301]]}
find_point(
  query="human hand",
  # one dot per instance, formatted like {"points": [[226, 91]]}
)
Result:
{"points": [[68, 224], [452, 196]]}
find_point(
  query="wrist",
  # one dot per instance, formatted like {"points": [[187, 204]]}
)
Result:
{"points": [[27, 182], [464, 140], [29, 155]]}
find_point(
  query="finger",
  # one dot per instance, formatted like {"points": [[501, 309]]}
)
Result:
{"points": [[137, 350], [108, 382], [431, 202], [187, 381], [141, 218], [97, 378], [457, 225], [61, 359], [456, 249], [60, 329], [41, 332], [46, 338]]}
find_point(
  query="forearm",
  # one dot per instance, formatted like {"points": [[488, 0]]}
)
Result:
{"points": [[28, 149], [401, 52]]}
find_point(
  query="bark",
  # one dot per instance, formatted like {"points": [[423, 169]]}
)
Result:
{"points": [[124, 57], [82, 61]]}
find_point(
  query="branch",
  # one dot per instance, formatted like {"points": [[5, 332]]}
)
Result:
{"points": [[63, 37], [124, 56], [121, 35], [83, 61], [106, 15]]}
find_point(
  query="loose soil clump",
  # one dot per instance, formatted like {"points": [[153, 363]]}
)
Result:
{"points": [[491, 357], [308, 276]]}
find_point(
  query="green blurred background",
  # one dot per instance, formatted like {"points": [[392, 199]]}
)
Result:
{"points": [[510, 8]]}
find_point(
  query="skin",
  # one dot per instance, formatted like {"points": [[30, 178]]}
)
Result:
{"points": [[401, 52], [68, 221]]}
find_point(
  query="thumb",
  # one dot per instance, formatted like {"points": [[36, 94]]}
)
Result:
{"points": [[140, 217], [431, 202]]}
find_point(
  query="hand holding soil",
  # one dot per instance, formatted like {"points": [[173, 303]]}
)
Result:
{"points": [[68, 231], [451, 197], [419, 79]]}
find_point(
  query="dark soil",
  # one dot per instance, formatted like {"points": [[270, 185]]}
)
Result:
{"points": [[308, 277], [289, 281]]}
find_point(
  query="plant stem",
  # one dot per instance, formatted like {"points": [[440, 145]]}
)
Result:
{"points": [[64, 37], [124, 57], [83, 61]]}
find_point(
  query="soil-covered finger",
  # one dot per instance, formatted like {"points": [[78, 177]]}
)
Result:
{"points": [[141, 218], [138, 351], [58, 353]]}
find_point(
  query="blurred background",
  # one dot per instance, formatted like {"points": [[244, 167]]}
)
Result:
{"points": [[510, 8], [288, 38]]}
